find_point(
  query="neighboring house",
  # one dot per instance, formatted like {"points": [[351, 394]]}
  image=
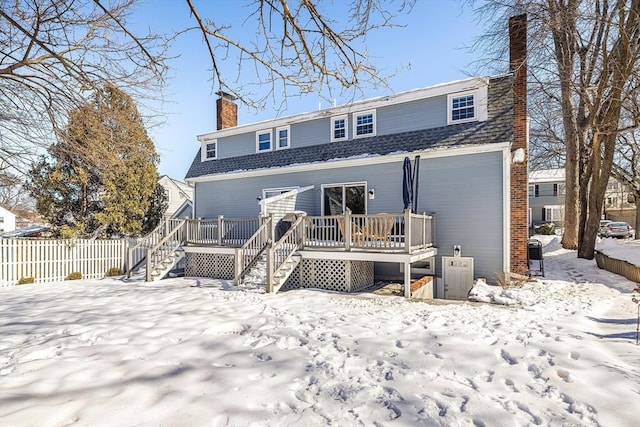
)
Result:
{"points": [[179, 198], [547, 193], [546, 197], [345, 165], [619, 203], [7, 220]]}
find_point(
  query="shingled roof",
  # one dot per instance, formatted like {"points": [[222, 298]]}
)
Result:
{"points": [[496, 129]]}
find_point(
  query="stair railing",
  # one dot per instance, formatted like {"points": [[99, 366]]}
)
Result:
{"points": [[249, 253], [137, 253], [284, 249], [165, 247]]}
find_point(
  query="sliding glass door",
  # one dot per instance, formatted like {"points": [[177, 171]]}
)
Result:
{"points": [[338, 197]]}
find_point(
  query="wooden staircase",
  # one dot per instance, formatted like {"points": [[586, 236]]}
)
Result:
{"points": [[261, 263], [155, 255]]}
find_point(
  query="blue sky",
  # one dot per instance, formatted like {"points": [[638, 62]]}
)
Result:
{"points": [[429, 49]]}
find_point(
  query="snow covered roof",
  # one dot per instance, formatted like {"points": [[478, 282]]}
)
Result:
{"points": [[497, 129], [546, 175]]}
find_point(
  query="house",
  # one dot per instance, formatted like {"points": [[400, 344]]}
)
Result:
{"points": [[546, 197], [318, 197], [547, 192], [7, 220], [179, 198]]}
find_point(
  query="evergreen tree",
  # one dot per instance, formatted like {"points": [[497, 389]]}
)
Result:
{"points": [[156, 210], [102, 174]]}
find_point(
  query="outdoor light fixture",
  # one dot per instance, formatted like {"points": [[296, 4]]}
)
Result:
{"points": [[457, 250], [372, 194]]}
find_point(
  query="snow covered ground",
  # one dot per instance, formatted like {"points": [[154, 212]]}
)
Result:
{"points": [[200, 352]]}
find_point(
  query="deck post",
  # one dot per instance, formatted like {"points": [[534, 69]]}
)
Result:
{"points": [[407, 231], [272, 228], [407, 280], [129, 258], [148, 276], [220, 229], [347, 229], [166, 227], [238, 265], [269, 270]]}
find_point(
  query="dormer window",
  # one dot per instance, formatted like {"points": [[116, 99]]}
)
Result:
{"points": [[283, 137], [364, 124], [209, 150], [339, 128], [263, 140], [462, 107]]}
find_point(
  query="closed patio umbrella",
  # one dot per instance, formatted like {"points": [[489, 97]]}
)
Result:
{"points": [[407, 184]]}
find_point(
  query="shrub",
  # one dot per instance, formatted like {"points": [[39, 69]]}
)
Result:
{"points": [[114, 271], [26, 280], [76, 275], [548, 229]]}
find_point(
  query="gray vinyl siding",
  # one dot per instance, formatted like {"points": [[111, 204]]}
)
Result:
{"points": [[409, 116], [464, 192], [237, 145], [422, 114], [467, 195], [545, 198], [313, 132]]}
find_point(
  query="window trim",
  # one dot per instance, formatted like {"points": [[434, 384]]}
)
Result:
{"points": [[476, 106], [344, 117], [277, 138], [204, 151], [550, 209], [373, 123], [264, 132], [343, 185]]}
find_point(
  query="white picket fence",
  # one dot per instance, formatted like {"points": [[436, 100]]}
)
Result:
{"points": [[52, 260]]}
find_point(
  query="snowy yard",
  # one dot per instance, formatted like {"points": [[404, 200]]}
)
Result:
{"points": [[187, 352]]}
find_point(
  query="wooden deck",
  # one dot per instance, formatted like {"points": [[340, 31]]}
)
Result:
{"points": [[404, 233]]}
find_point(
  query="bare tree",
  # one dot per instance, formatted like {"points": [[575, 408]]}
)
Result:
{"points": [[55, 53], [584, 59], [302, 46]]}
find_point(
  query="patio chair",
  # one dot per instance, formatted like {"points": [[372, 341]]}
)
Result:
{"points": [[378, 228], [357, 234]]}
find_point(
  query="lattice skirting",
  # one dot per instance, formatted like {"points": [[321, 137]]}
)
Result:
{"points": [[334, 275], [217, 266]]}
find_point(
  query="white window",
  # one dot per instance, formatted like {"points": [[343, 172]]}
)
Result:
{"points": [[283, 137], [553, 213], [263, 140], [168, 194], [462, 107], [532, 189], [364, 124], [339, 128], [209, 150]]}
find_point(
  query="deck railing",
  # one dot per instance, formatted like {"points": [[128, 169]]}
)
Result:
{"points": [[383, 232], [235, 231], [403, 232], [252, 250], [165, 248], [137, 251], [283, 250]]}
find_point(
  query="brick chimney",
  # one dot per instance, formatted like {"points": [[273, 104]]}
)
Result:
{"points": [[520, 145], [226, 111]]}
